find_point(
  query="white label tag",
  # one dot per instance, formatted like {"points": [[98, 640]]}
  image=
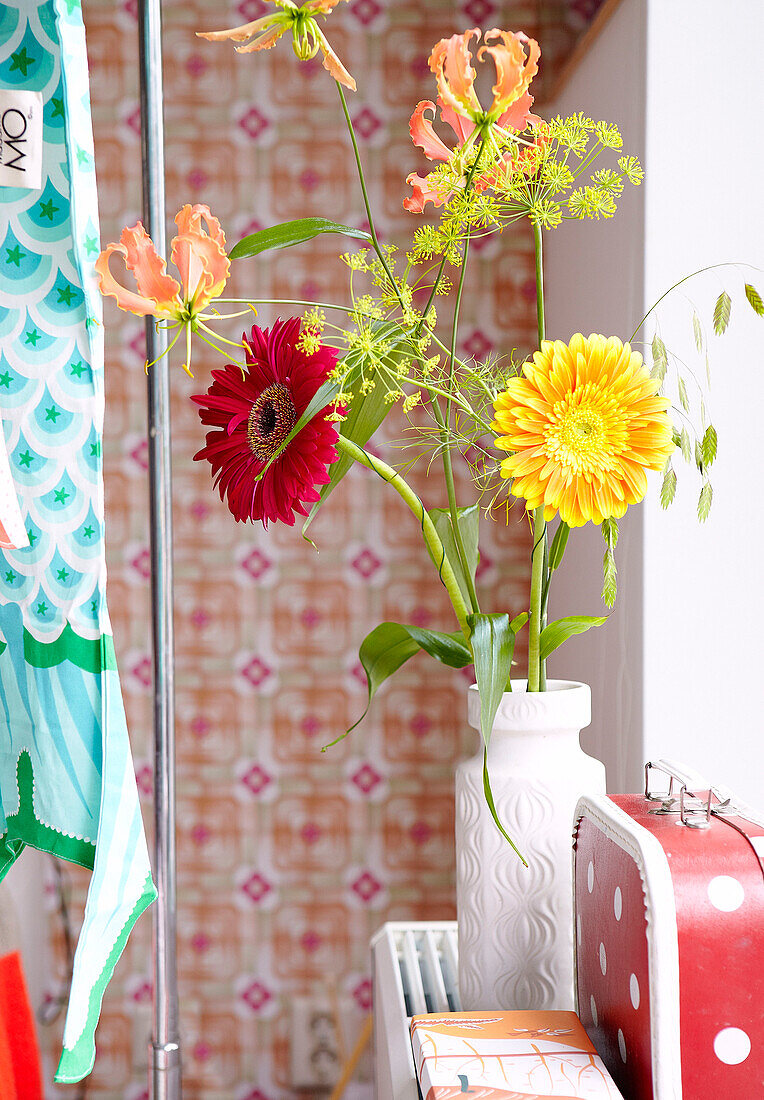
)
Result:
{"points": [[20, 138]]}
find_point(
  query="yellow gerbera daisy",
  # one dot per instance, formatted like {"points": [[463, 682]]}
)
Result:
{"points": [[582, 424]]}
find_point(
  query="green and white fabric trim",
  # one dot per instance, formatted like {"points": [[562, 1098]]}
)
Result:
{"points": [[67, 783]]}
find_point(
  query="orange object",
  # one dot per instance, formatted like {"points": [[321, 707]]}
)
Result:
{"points": [[20, 1073]]}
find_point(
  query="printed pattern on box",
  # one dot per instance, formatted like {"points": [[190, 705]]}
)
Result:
{"points": [[508, 1056]]}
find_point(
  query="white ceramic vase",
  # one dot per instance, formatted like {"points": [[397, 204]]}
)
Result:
{"points": [[516, 923]]}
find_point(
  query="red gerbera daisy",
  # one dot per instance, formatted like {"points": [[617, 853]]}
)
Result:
{"points": [[252, 414]]}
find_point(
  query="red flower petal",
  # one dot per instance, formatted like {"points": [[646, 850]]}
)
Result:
{"points": [[272, 357]]}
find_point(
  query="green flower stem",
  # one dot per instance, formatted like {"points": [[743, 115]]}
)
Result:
{"points": [[536, 676], [449, 475], [434, 545], [433, 290], [536, 669], [444, 421], [366, 203]]}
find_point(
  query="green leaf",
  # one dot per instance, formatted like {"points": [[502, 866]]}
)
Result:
{"points": [[553, 635], [684, 444], [449, 649], [492, 807], [709, 444], [704, 501], [557, 549], [364, 416], [668, 488], [683, 395], [697, 332], [660, 358], [609, 578], [493, 643], [323, 396], [722, 311], [610, 532], [286, 234], [390, 645], [754, 299], [469, 520], [519, 622]]}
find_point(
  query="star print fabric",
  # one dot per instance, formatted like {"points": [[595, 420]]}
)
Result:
{"points": [[67, 783]]}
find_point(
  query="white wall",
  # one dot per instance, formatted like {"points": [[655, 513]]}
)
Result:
{"points": [[594, 283], [676, 671], [704, 603]]}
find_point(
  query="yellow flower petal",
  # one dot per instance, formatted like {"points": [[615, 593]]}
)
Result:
{"points": [[582, 424]]}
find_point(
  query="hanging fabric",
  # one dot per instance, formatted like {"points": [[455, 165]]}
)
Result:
{"points": [[67, 784]]}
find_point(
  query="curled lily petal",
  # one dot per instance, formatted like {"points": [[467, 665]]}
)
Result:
{"points": [[423, 192], [158, 293], [514, 71], [243, 32], [423, 135], [462, 127], [265, 41], [333, 64], [199, 256], [189, 218], [518, 116], [450, 61], [324, 6]]}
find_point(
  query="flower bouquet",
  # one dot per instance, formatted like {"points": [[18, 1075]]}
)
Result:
{"points": [[570, 432]]}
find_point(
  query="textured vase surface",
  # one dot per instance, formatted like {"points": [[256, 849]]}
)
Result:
{"points": [[516, 922]]}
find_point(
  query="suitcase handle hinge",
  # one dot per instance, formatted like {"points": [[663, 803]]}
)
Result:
{"points": [[694, 811]]}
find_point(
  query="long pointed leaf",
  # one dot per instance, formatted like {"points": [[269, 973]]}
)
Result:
{"points": [[469, 522], [449, 649], [559, 542], [286, 234], [493, 643], [492, 807], [390, 645], [553, 635]]}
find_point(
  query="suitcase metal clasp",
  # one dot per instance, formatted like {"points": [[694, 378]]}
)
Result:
{"points": [[694, 812]]}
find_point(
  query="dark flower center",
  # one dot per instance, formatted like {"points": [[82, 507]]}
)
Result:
{"points": [[270, 421]]}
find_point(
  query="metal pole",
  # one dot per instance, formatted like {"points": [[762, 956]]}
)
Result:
{"points": [[164, 1051]]}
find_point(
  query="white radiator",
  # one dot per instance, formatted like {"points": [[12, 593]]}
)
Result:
{"points": [[414, 969]]}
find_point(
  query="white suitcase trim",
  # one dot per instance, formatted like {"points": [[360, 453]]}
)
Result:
{"points": [[663, 953]]}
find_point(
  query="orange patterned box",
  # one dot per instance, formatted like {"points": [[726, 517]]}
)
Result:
{"points": [[508, 1056]]}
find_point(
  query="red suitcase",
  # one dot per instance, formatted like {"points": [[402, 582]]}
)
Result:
{"points": [[669, 911]]}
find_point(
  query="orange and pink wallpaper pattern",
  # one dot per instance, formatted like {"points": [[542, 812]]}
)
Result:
{"points": [[288, 858]]}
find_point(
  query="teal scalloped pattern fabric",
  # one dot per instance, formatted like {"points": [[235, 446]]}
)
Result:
{"points": [[67, 783]]}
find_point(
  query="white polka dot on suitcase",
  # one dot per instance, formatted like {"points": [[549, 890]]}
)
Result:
{"points": [[634, 990], [590, 876], [732, 1046], [725, 893], [621, 1045], [603, 960], [593, 1007], [617, 903]]}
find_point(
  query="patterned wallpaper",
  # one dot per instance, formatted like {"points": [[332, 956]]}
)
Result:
{"points": [[289, 859]]}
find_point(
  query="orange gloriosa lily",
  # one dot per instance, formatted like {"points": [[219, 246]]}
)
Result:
{"points": [[451, 62], [198, 254], [460, 108], [307, 36]]}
